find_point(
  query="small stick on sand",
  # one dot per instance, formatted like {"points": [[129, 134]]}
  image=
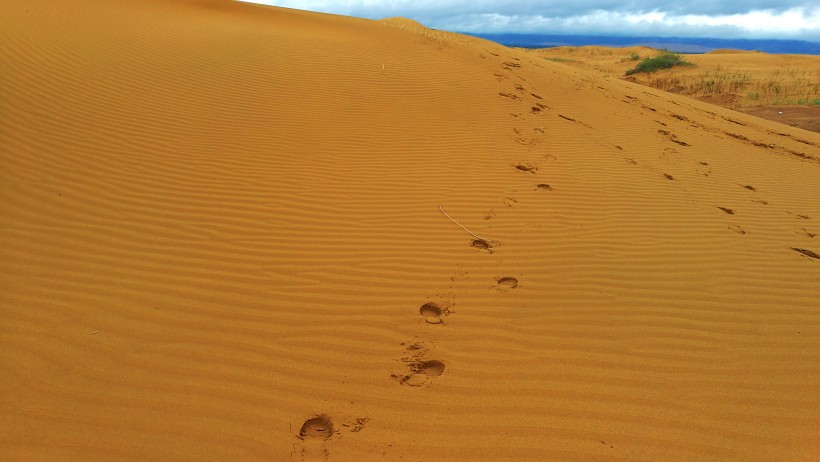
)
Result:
{"points": [[459, 224]]}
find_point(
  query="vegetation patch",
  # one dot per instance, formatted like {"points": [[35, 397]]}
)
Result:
{"points": [[632, 57], [664, 60]]}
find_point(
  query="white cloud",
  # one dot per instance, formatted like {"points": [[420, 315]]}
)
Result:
{"points": [[793, 19]]}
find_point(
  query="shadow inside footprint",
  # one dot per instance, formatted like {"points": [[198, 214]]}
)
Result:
{"points": [[317, 428], [431, 368], [544, 186], [481, 244], [508, 282], [422, 373], [807, 253], [431, 313]]}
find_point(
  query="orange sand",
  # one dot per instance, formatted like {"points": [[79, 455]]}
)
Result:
{"points": [[222, 240]]}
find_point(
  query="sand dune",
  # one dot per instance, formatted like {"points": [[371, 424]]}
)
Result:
{"points": [[781, 88], [234, 232]]}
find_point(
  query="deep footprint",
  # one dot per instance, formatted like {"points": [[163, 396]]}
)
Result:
{"points": [[508, 282], [430, 368], [481, 244], [807, 253], [317, 428], [431, 313]]}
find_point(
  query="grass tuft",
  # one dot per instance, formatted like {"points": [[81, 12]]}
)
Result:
{"points": [[664, 60]]}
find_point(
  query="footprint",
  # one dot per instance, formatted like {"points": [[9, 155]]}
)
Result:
{"points": [[807, 253], [807, 233], [749, 187], [733, 121], [422, 370], [526, 168], [672, 137], [481, 244], [668, 176], [507, 282], [737, 229], [434, 367], [727, 210], [544, 186], [422, 373], [432, 313], [317, 428], [357, 425], [538, 108]]}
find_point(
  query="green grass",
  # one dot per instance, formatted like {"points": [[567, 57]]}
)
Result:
{"points": [[664, 60], [632, 57], [561, 60], [808, 102]]}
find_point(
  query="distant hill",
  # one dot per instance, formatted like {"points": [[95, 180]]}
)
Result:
{"points": [[679, 44]]}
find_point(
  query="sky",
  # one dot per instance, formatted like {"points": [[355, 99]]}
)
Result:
{"points": [[752, 19]]}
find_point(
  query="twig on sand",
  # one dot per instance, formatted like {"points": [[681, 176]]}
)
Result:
{"points": [[459, 224]]}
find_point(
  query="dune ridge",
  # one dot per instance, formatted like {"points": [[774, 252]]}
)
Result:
{"points": [[222, 223]]}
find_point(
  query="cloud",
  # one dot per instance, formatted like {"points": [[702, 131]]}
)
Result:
{"points": [[755, 24], [796, 19]]}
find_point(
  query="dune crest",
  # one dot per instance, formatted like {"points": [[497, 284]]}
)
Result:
{"points": [[224, 238], [730, 51]]}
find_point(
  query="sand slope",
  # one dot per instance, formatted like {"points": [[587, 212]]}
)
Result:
{"points": [[221, 240]]}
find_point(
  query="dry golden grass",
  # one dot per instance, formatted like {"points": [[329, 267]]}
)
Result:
{"points": [[733, 79]]}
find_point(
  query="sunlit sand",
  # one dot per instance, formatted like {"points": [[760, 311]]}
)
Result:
{"points": [[242, 233]]}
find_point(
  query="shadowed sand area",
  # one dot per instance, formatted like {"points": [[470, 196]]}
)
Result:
{"points": [[224, 238]]}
